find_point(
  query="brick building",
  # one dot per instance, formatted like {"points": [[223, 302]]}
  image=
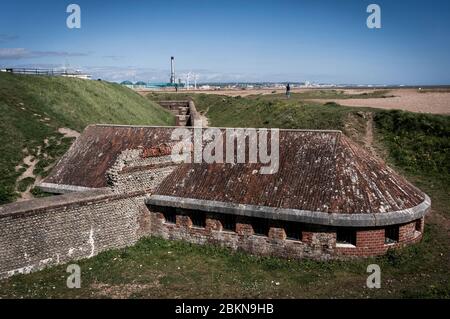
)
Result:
{"points": [[329, 199]]}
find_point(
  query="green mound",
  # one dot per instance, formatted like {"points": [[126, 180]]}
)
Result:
{"points": [[33, 108]]}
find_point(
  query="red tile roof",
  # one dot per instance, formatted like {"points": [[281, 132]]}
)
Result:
{"points": [[96, 150], [318, 171]]}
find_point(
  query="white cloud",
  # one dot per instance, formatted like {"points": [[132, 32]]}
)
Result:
{"points": [[22, 53], [12, 53], [135, 73], [7, 37], [113, 57]]}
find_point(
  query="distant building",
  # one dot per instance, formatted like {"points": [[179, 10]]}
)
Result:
{"points": [[78, 76], [127, 84], [140, 85]]}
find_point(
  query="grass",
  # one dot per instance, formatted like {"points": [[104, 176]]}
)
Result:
{"points": [[419, 146], [156, 268], [326, 95], [261, 111], [435, 90], [24, 183], [32, 108], [417, 142]]}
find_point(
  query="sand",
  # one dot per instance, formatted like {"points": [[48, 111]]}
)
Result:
{"points": [[405, 99]]}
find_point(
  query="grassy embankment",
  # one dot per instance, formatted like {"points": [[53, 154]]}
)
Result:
{"points": [[415, 144], [269, 110], [33, 108]]}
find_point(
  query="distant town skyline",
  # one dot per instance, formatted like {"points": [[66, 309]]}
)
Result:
{"points": [[234, 41]]}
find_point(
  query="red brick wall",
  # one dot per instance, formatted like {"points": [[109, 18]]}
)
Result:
{"points": [[277, 233], [184, 221], [368, 243], [317, 241], [407, 232], [307, 237], [213, 224], [275, 244], [244, 229], [371, 242]]}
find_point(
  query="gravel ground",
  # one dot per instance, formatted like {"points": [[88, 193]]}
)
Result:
{"points": [[405, 99]]}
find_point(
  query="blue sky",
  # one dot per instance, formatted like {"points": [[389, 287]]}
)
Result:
{"points": [[323, 41]]}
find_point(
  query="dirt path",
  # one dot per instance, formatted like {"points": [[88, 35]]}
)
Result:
{"points": [[359, 127], [31, 163], [67, 132], [205, 120], [368, 137]]}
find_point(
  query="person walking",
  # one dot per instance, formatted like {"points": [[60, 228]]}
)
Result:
{"points": [[288, 90]]}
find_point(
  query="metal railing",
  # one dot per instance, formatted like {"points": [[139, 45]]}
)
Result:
{"points": [[47, 72]]}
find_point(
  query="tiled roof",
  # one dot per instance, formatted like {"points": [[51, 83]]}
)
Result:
{"points": [[318, 171], [96, 150]]}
